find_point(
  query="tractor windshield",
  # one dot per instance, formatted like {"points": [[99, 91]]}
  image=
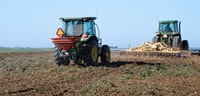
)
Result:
{"points": [[73, 28], [89, 27], [77, 28], [168, 27]]}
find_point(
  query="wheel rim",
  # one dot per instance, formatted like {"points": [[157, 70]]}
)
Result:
{"points": [[107, 54], [94, 53]]}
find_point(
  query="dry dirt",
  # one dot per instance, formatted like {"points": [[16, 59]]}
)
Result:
{"points": [[36, 74]]}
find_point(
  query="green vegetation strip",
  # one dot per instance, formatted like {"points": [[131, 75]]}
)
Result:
{"points": [[19, 50]]}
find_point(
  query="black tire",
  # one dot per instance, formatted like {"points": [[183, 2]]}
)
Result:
{"points": [[57, 57], [105, 54], [59, 60], [185, 45], [156, 39], [176, 43], [91, 54]]}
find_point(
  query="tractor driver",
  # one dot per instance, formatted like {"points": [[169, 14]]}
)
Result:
{"points": [[168, 28]]}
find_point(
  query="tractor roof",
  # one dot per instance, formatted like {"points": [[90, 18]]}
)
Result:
{"points": [[168, 21], [77, 18]]}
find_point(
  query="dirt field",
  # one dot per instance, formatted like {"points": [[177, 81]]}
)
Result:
{"points": [[36, 74]]}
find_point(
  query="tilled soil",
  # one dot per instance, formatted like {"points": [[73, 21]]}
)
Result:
{"points": [[37, 74]]}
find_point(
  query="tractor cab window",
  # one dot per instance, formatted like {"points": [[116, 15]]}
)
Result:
{"points": [[89, 28], [73, 28], [168, 27]]}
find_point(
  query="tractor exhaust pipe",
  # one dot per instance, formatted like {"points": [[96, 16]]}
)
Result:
{"points": [[180, 27]]}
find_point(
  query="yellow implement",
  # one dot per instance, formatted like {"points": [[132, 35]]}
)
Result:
{"points": [[154, 49]]}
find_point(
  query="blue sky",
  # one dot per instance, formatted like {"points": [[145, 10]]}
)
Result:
{"points": [[31, 23]]}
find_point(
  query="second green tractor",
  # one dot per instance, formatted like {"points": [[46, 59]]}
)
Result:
{"points": [[169, 31]]}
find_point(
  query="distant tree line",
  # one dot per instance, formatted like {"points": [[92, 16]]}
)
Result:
{"points": [[14, 47], [113, 47]]}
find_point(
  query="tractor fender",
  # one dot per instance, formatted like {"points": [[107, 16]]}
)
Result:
{"points": [[176, 35], [89, 38]]}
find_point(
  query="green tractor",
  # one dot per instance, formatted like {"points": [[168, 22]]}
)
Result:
{"points": [[169, 31], [77, 41]]}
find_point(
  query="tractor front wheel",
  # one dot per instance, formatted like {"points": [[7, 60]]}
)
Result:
{"points": [[105, 54]]}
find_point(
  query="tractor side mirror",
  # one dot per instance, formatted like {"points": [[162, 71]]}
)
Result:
{"points": [[158, 33]]}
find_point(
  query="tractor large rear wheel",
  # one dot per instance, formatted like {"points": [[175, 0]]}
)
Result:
{"points": [[59, 60], [105, 54], [91, 56], [176, 43], [185, 45], [156, 39]]}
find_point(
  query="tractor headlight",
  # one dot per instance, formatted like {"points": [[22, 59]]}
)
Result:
{"points": [[165, 36]]}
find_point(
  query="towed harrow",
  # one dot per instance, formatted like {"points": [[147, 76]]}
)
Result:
{"points": [[160, 49], [152, 53]]}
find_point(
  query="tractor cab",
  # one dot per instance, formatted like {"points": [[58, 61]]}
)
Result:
{"points": [[79, 29], [168, 26], [78, 26]]}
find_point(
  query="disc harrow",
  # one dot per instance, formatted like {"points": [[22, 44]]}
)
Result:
{"points": [[153, 54], [149, 49]]}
